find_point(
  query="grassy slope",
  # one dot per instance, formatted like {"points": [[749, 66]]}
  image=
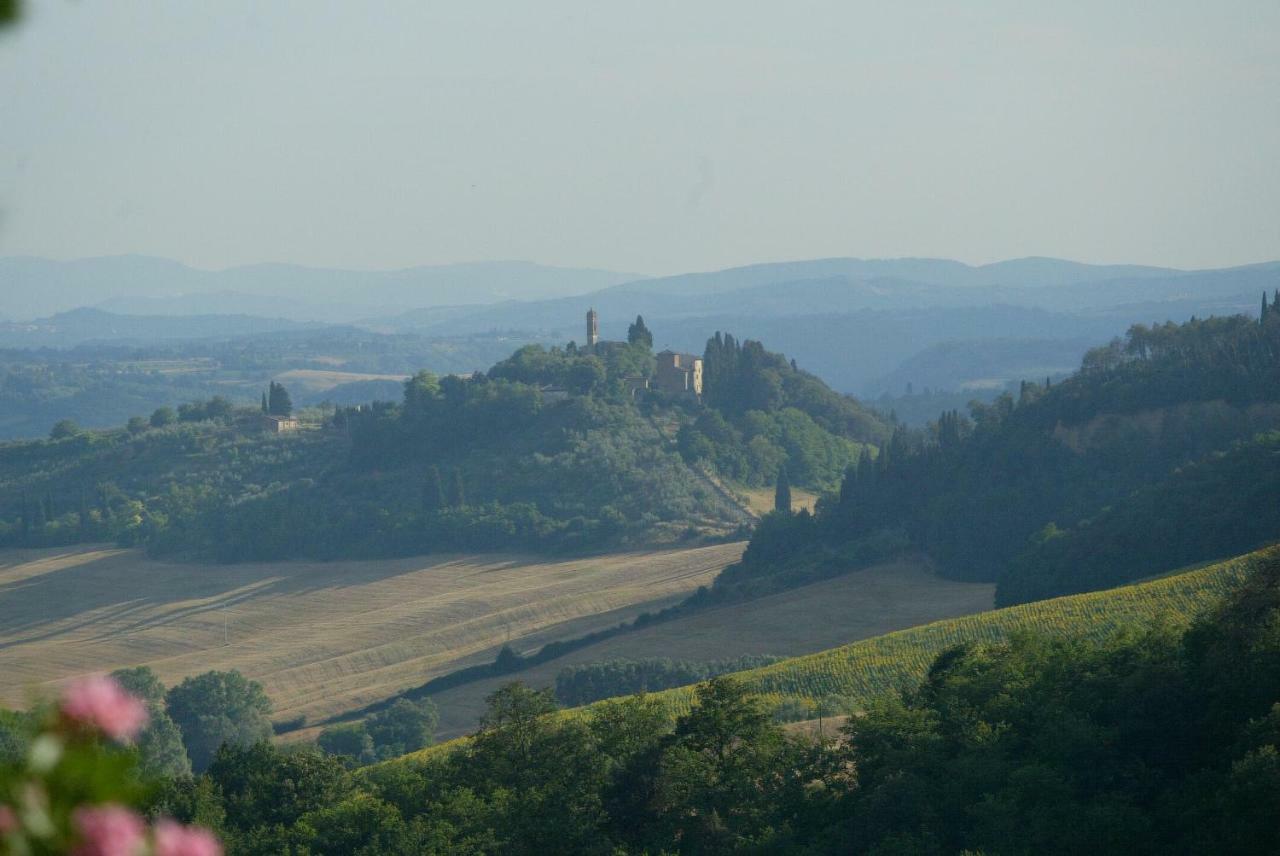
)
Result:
{"points": [[872, 667], [323, 637]]}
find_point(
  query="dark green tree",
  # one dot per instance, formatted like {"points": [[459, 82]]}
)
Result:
{"points": [[782, 492], [160, 748], [163, 416], [351, 742], [262, 786], [278, 401], [433, 498], [638, 334], [216, 708], [63, 429], [406, 726]]}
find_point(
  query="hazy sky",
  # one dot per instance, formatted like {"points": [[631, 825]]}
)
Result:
{"points": [[652, 137]]}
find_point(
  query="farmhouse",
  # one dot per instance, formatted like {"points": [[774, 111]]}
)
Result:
{"points": [[279, 424]]}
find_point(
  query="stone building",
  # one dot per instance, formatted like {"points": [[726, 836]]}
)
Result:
{"points": [[679, 374]]}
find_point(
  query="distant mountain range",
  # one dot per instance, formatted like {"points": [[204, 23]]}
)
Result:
{"points": [[865, 326], [34, 287]]}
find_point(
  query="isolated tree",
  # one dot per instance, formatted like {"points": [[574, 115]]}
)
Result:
{"points": [[163, 416], [63, 429], [265, 407], [782, 491], [638, 334], [217, 708], [278, 401]]}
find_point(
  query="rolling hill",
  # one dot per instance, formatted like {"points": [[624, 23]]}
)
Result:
{"points": [[862, 671]]}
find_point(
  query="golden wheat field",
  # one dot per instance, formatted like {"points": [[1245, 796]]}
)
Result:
{"points": [[323, 638]]}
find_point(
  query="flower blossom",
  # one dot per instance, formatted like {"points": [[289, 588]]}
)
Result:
{"points": [[100, 702], [109, 830], [174, 839]]}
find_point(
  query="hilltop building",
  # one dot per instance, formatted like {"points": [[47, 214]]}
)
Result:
{"points": [[679, 374]]}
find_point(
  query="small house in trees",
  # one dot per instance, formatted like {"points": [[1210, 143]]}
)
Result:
{"points": [[279, 424]]}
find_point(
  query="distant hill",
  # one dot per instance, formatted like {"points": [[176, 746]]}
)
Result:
{"points": [[78, 326], [1156, 453], [1025, 272], [34, 287], [550, 450], [985, 364], [855, 322]]}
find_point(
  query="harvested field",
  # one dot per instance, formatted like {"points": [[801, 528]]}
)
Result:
{"points": [[812, 618], [323, 637]]}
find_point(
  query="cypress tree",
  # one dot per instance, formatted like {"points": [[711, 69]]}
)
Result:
{"points": [[638, 334], [850, 481], [264, 402], [782, 492], [1262, 318], [278, 401]]}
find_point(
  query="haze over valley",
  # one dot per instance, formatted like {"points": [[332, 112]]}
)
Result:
{"points": [[459, 429]]}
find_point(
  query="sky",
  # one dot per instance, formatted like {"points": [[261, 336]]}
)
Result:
{"points": [[652, 137]]}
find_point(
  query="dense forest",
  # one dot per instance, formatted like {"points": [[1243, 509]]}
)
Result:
{"points": [[552, 449], [1160, 440], [1153, 741]]}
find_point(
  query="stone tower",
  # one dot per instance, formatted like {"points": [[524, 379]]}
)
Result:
{"points": [[593, 328]]}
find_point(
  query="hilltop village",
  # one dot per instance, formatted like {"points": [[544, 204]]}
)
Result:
{"points": [[675, 373]]}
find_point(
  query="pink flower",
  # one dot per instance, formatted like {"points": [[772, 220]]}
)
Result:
{"points": [[174, 839], [109, 830], [8, 820], [100, 702]]}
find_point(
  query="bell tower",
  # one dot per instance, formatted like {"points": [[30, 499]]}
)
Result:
{"points": [[593, 328]]}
